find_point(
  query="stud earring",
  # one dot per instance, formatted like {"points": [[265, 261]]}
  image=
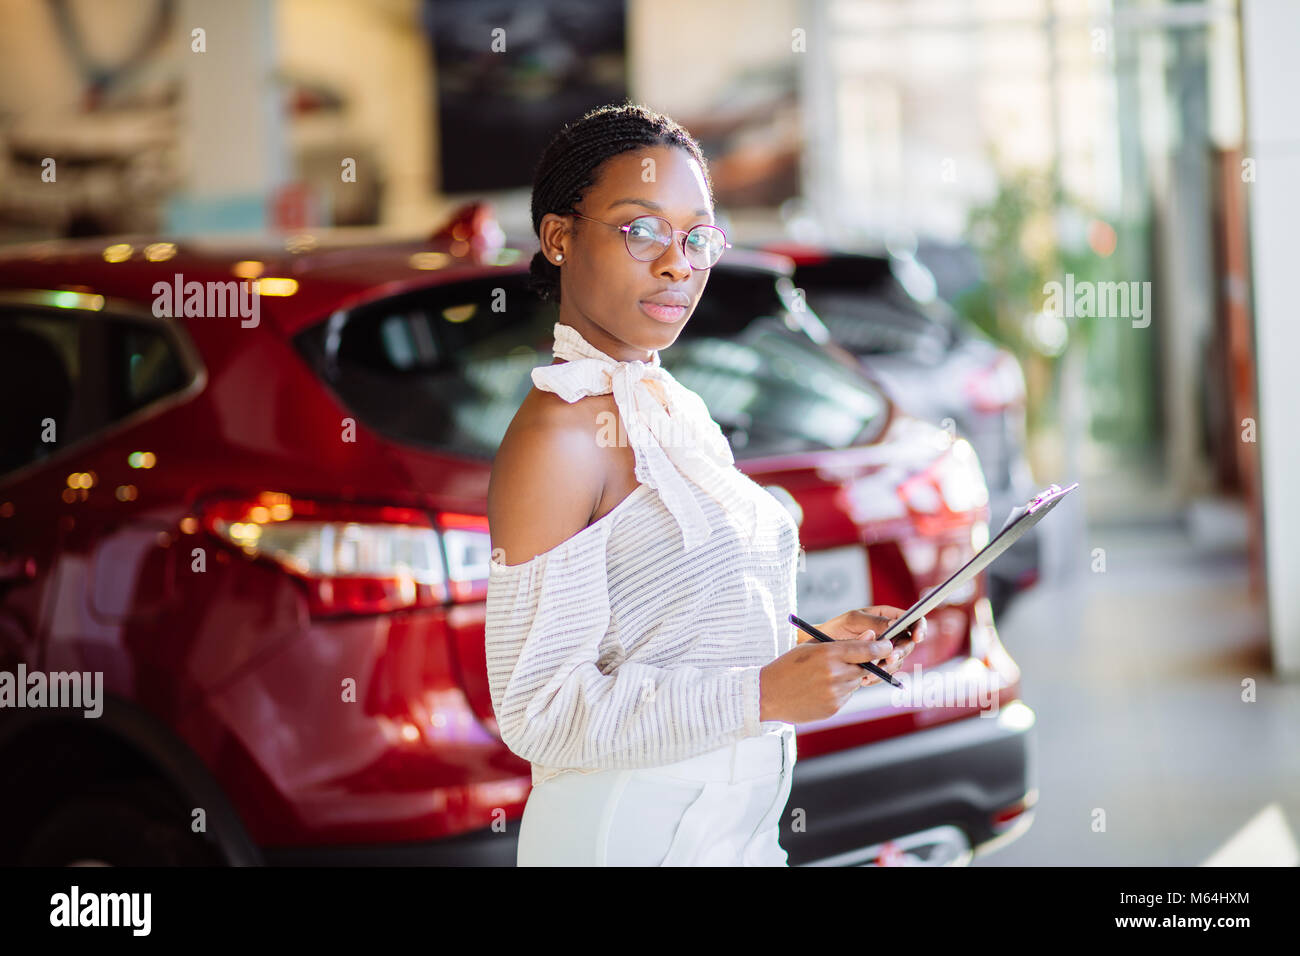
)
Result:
{"points": [[559, 256]]}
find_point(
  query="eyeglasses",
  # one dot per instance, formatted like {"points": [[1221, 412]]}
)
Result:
{"points": [[648, 238]]}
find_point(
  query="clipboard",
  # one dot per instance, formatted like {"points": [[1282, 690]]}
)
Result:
{"points": [[1020, 520]]}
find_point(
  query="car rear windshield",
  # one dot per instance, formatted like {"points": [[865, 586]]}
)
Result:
{"points": [[869, 312], [447, 367], [873, 322]]}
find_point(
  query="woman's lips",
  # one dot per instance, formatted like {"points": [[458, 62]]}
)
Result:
{"points": [[663, 313]]}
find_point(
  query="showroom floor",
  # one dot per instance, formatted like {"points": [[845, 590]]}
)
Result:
{"points": [[1147, 753]]}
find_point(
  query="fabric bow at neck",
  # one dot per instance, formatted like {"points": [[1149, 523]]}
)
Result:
{"points": [[672, 435]]}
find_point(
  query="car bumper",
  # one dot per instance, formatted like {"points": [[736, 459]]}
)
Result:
{"points": [[933, 793], [951, 789]]}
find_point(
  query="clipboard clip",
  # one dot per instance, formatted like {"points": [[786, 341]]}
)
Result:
{"points": [[1050, 493]]}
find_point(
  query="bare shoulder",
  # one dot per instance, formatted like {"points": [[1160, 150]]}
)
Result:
{"points": [[548, 476]]}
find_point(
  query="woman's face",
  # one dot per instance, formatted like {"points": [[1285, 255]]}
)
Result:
{"points": [[603, 290]]}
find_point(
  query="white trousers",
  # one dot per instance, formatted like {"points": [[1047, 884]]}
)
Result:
{"points": [[721, 808]]}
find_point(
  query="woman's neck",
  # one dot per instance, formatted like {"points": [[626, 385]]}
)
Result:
{"points": [[598, 338]]}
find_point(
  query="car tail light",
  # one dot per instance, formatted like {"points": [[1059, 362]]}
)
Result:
{"points": [[353, 559], [360, 559], [944, 494], [802, 254], [468, 548], [997, 387], [472, 228]]}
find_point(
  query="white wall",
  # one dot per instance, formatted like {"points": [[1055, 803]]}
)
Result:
{"points": [[376, 54], [1270, 38]]}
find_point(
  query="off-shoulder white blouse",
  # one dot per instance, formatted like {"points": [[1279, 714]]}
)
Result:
{"points": [[638, 641]]}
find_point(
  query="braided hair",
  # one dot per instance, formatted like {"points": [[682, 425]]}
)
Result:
{"points": [[570, 162]]}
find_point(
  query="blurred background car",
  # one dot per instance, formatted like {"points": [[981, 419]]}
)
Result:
{"points": [[331, 526], [883, 308]]}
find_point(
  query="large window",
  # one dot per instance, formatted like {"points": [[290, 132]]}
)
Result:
{"points": [[1085, 141]]}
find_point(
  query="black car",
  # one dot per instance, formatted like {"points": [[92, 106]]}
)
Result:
{"points": [[882, 308]]}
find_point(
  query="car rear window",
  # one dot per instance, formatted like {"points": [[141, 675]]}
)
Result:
{"points": [[447, 367], [870, 323], [869, 312]]}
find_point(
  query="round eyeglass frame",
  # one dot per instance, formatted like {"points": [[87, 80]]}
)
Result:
{"points": [[626, 227]]}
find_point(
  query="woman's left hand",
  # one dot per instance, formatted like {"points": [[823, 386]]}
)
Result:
{"points": [[856, 623]]}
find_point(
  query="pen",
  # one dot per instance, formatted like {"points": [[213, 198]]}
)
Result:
{"points": [[882, 674]]}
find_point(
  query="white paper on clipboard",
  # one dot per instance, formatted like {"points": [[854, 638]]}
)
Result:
{"points": [[1018, 522]]}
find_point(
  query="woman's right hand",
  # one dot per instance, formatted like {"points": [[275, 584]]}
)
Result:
{"points": [[813, 680]]}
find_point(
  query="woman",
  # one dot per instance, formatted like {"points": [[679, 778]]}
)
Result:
{"points": [[639, 650]]}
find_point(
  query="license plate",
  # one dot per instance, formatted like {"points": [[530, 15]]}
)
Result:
{"points": [[832, 582]]}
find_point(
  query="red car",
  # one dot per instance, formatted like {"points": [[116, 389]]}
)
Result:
{"points": [[259, 521]]}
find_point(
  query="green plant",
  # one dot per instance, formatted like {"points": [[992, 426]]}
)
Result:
{"points": [[1032, 232]]}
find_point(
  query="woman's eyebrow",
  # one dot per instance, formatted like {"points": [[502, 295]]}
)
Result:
{"points": [[649, 204]]}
